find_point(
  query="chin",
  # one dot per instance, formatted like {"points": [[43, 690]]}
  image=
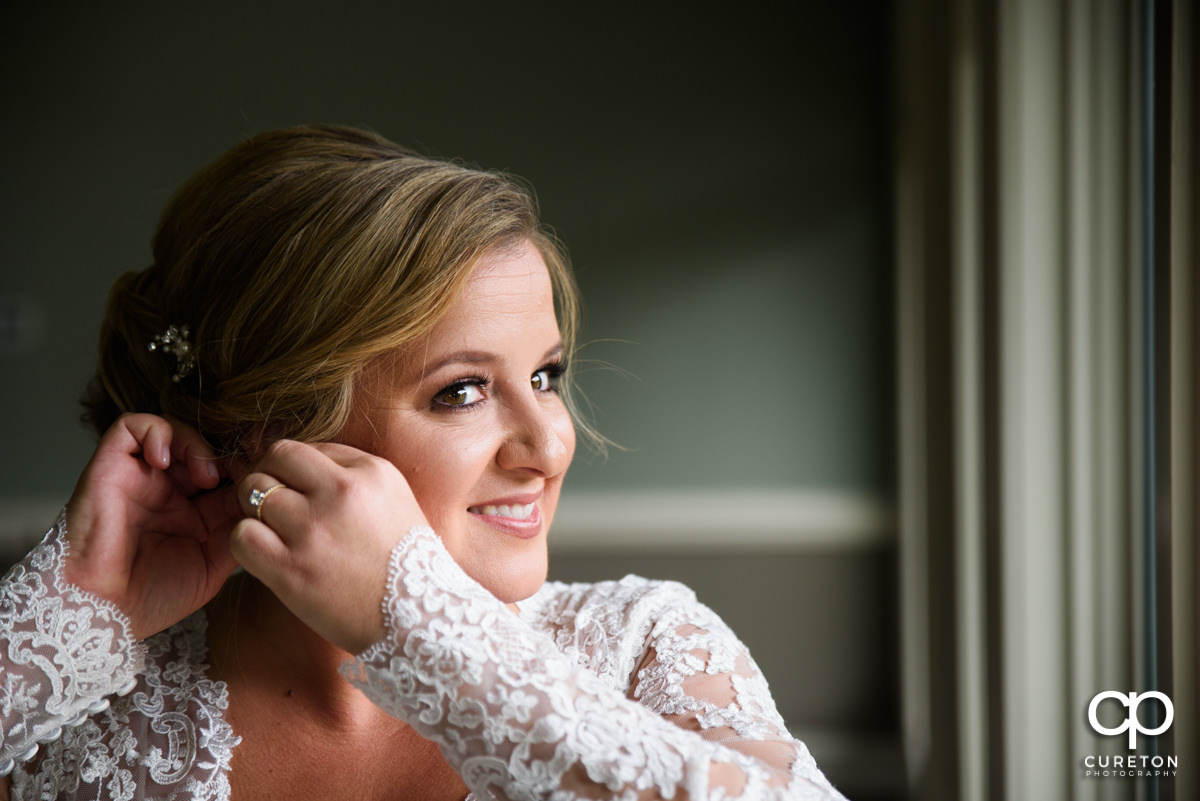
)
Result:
{"points": [[513, 582], [510, 568], [522, 589]]}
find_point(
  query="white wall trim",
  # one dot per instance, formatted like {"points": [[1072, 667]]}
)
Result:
{"points": [[591, 520], [722, 519]]}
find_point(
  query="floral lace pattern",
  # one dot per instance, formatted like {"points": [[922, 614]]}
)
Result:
{"points": [[168, 739], [71, 681], [63, 651], [617, 690], [523, 715]]}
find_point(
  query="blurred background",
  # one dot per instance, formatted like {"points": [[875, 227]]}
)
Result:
{"points": [[722, 179]]}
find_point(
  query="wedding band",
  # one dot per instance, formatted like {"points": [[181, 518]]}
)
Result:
{"points": [[259, 497]]}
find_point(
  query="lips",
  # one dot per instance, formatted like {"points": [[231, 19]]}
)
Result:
{"points": [[519, 517], [514, 511]]}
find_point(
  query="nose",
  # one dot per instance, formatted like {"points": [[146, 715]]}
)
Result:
{"points": [[539, 439]]}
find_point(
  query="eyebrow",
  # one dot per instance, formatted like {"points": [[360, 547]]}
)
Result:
{"points": [[477, 357]]}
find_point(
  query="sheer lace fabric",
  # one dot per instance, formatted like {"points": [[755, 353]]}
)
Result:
{"points": [[63, 651], [560, 713], [116, 719], [623, 690]]}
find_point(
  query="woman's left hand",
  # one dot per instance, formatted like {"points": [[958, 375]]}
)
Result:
{"points": [[323, 543]]}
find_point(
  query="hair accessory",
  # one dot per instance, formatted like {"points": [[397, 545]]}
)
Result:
{"points": [[175, 342], [259, 497]]}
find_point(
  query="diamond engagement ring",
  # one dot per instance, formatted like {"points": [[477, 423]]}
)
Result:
{"points": [[259, 497]]}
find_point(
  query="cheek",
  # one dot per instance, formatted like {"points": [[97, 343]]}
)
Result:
{"points": [[443, 471], [565, 428]]}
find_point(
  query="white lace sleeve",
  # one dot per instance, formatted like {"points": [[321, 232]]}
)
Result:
{"points": [[62, 651], [520, 720]]}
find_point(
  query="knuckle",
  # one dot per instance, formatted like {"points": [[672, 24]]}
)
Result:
{"points": [[383, 470], [375, 466], [128, 421], [280, 448], [346, 486]]}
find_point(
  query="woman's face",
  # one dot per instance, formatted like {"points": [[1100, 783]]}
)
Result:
{"points": [[471, 417]]}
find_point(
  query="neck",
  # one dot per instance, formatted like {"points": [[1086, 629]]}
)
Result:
{"points": [[254, 638]]}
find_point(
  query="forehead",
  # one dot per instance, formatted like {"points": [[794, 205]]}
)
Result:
{"points": [[506, 305], [509, 288], [503, 316], [511, 271]]}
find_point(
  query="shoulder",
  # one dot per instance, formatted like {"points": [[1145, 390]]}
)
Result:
{"points": [[610, 625]]}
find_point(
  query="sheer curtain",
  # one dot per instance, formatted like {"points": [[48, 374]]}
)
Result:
{"points": [[1028, 293]]}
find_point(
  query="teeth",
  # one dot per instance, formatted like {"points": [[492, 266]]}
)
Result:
{"points": [[516, 511]]}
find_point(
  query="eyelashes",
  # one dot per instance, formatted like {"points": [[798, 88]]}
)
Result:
{"points": [[469, 392], [547, 378], [462, 394]]}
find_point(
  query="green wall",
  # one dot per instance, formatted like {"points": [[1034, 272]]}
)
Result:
{"points": [[720, 177]]}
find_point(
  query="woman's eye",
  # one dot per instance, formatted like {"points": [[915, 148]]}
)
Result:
{"points": [[460, 395], [544, 379]]}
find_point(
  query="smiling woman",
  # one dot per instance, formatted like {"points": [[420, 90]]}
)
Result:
{"points": [[346, 371], [481, 434]]}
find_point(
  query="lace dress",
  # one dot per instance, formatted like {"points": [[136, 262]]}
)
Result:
{"points": [[624, 690]]}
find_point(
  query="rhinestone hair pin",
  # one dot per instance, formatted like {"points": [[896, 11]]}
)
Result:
{"points": [[174, 341]]}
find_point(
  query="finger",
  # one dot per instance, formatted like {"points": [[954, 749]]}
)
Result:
{"points": [[342, 454], [147, 433], [258, 549], [189, 447], [258, 490], [301, 466], [193, 472], [368, 467]]}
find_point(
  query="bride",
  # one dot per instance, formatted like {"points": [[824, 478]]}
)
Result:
{"points": [[347, 372]]}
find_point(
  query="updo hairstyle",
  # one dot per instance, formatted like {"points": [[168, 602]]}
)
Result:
{"points": [[295, 259]]}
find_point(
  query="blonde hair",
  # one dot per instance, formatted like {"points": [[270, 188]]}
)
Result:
{"points": [[295, 259]]}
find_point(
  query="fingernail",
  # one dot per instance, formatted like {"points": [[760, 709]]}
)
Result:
{"points": [[165, 455], [211, 469]]}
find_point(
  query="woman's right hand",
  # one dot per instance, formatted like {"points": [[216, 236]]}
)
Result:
{"points": [[147, 526]]}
